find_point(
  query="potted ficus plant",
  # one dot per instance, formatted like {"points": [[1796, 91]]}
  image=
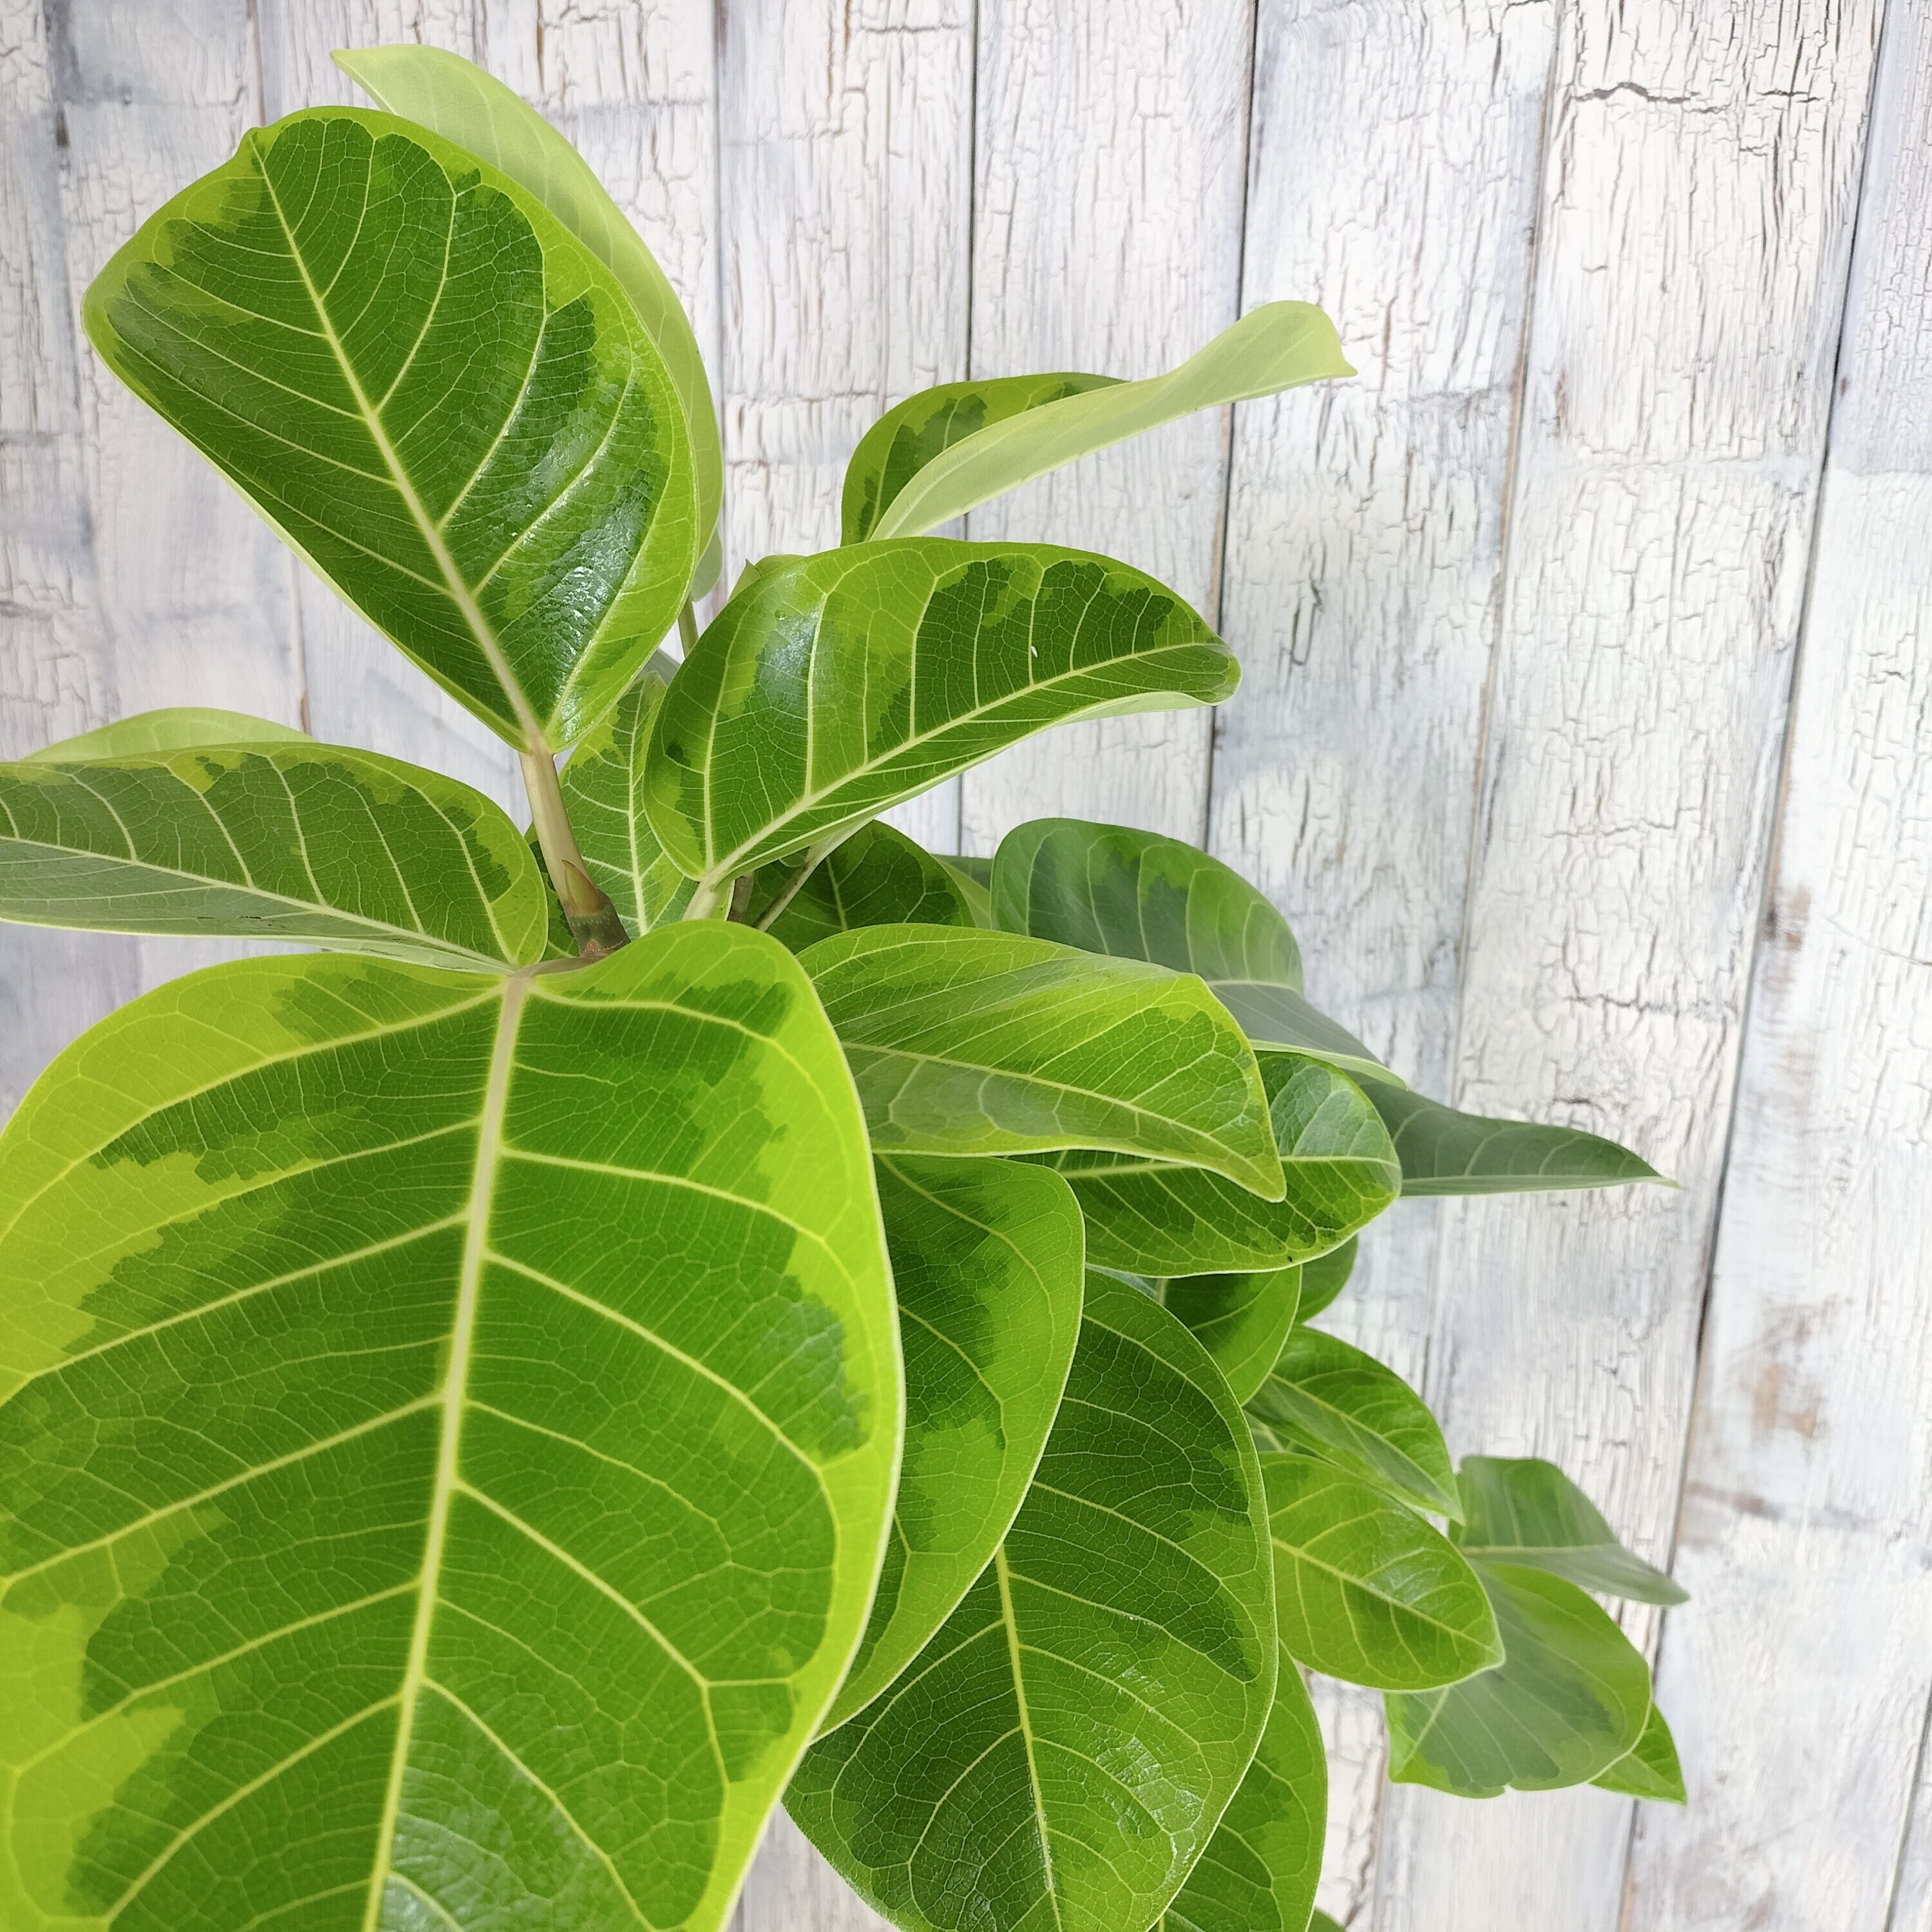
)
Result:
{"points": [[705, 1303]]}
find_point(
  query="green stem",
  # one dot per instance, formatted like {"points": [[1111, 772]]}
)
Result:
{"points": [[813, 857], [687, 626], [593, 918]]}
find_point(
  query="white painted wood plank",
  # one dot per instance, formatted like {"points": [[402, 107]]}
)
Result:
{"points": [[845, 147], [1805, 1660], [846, 187], [57, 670], [1107, 193], [1703, 167], [1364, 561], [362, 690], [188, 592]]}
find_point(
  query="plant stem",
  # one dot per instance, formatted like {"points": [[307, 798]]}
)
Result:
{"points": [[687, 626], [741, 897], [809, 862], [593, 918]]}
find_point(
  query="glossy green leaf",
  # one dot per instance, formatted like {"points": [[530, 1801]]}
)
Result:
{"points": [[1277, 347], [986, 1265], [1569, 1699], [1260, 1868], [279, 838], [448, 1437], [435, 392], [1061, 1753], [1157, 1220], [179, 729], [1523, 1510], [1241, 1320], [1110, 889], [1324, 1278], [878, 876], [602, 783], [921, 429], [447, 95], [1328, 1398], [1649, 1768], [838, 685], [964, 1042], [1365, 1590], [1445, 1152], [971, 876]]}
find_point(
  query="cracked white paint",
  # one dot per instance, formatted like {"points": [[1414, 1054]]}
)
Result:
{"points": [[1518, 610]]}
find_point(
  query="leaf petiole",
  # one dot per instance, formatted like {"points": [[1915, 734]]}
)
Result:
{"points": [[593, 918]]}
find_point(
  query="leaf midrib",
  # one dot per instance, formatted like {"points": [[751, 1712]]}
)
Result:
{"points": [[459, 592], [357, 922], [475, 1248], [737, 860]]}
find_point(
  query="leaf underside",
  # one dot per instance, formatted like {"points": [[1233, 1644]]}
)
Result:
{"points": [[449, 1436], [1445, 1152]]}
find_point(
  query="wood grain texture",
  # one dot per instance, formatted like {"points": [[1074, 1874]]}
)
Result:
{"points": [[847, 188], [1806, 1538], [1363, 575], [845, 145], [1107, 225], [58, 673], [1702, 172], [1519, 610], [177, 593]]}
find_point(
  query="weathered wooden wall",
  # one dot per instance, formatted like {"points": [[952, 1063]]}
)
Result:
{"points": [[1586, 736]]}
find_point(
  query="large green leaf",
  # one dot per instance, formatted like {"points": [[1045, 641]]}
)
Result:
{"points": [[1365, 1590], [1260, 1868], [1241, 1320], [1522, 1509], [1111, 888], [1324, 1278], [1570, 1698], [921, 429], [1328, 1398], [448, 1436], [178, 729], [1061, 1753], [838, 685], [602, 783], [986, 1264], [1277, 347], [447, 95], [277, 838], [1445, 1152], [965, 1042], [1155, 1220], [435, 391], [877, 877], [1649, 1768]]}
